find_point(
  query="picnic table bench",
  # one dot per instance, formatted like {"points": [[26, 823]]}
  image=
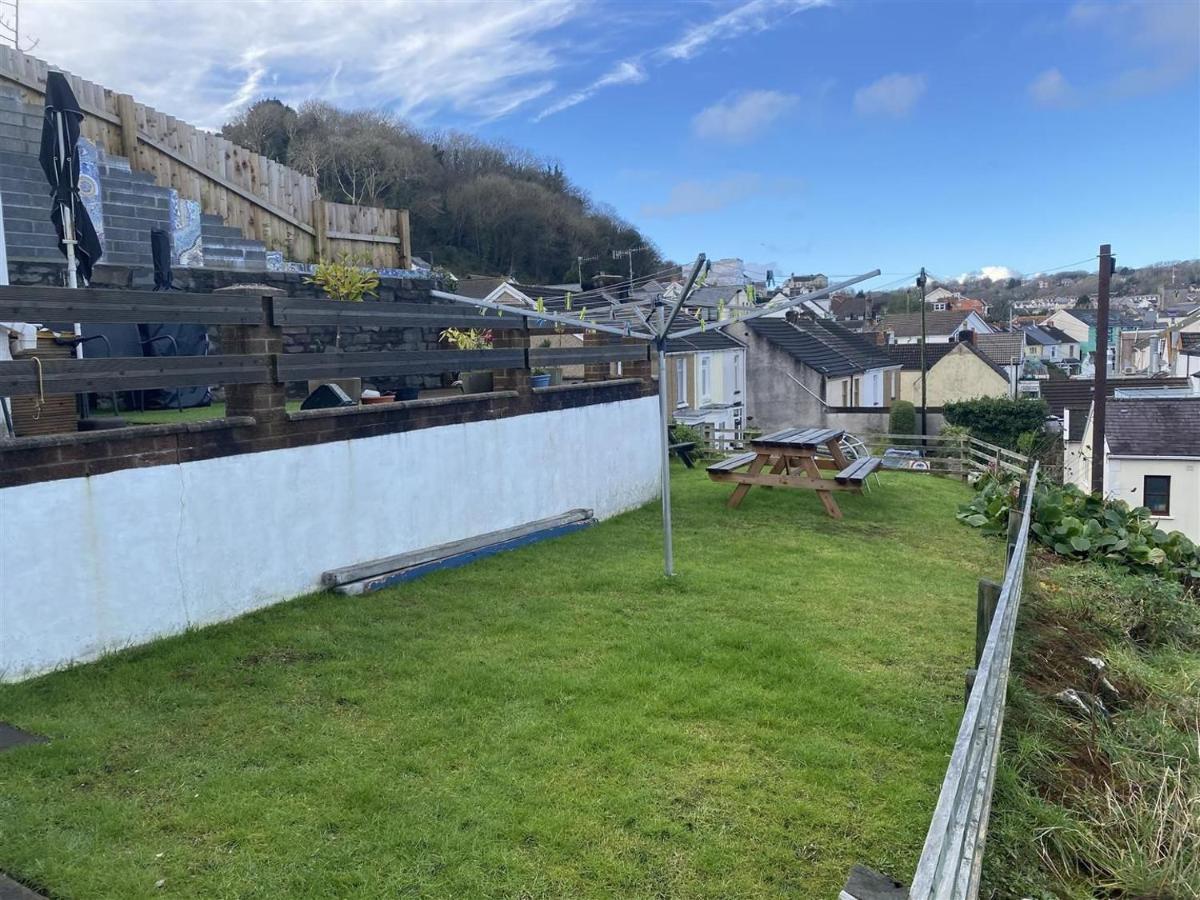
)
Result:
{"points": [[682, 449], [790, 458]]}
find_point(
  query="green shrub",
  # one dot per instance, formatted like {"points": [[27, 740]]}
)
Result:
{"points": [[1086, 526], [999, 420], [902, 419]]}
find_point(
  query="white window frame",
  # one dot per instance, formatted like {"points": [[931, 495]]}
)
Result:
{"points": [[680, 382], [705, 391]]}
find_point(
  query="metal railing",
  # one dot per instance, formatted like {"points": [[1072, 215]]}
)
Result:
{"points": [[952, 859]]}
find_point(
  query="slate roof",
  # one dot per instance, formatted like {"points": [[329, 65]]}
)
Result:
{"points": [[1047, 335], [705, 341], [478, 286], [942, 322], [909, 355], [822, 345], [1153, 427], [711, 295], [1116, 318], [1002, 347], [1076, 393]]}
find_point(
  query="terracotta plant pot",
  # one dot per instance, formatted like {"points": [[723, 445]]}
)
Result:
{"points": [[382, 398]]}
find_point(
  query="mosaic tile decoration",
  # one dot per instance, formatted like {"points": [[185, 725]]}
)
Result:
{"points": [[89, 185], [187, 243], [274, 260]]}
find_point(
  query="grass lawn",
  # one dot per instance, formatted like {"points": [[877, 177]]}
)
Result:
{"points": [[559, 721], [189, 414]]}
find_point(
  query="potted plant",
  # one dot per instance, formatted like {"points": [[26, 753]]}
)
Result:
{"points": [[346, 279], [540, 378], [472, 339]]}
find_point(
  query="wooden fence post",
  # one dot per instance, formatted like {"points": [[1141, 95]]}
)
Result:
{"points": [[1014, 531], [320, 231], [127, 113], [405, 236], [986, 600]]}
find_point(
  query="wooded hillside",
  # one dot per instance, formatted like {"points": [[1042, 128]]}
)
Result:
{"points": [[475, 206]]}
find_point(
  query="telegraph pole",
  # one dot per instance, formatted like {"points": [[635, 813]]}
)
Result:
{"points": [[1100, 381], [921, 279], [628, 254], [581, 260]]}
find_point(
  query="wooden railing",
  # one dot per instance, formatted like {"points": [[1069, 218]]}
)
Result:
{"points": [[32, 376], [267, 200], [952, 859]]}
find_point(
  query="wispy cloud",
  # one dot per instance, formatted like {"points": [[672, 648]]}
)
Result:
{"points": [[696, 197], [747, 18], [627, 71], [738, 118], [1052, 89], [1161, 38], [473, 58], [892, 96]]}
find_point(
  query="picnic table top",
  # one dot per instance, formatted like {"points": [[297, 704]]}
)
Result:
{"points": [[805, 438]]}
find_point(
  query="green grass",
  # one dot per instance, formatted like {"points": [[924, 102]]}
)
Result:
{"points": [[189, 414], [1088, 809], [558, 721]]}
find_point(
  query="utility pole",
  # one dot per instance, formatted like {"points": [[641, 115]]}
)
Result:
{"points": [[628, 254], [581, 260], [921, 279], [1100, 382]]}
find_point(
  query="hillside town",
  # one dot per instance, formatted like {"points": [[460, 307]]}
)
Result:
{"points": [[414, 481]]}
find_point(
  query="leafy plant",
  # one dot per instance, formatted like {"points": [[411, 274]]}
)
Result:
{"points": [[346, 279], [903, 418], [469, 338], [1086, 526], [999, 420]]}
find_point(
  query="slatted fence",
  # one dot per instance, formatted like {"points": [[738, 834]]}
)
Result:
{"points": [[33, 376], [267, 200]]}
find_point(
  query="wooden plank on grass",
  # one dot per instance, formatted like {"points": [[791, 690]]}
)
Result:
{"points": [[377, 567]]}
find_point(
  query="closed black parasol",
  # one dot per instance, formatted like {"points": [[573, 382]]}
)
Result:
{"points": [[60, 136]]}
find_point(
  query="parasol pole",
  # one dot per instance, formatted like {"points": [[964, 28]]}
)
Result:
{"points": [[67, 217]]}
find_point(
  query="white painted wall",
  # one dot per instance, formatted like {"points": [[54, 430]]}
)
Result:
{"points": [[89, 565]]}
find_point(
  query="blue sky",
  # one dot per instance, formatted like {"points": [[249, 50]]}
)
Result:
{"points": [[832, 136]]}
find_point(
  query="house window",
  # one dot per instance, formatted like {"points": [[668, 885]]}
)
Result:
{"points": [[845, 393], [737, 374], [680, 382], [705, 379], [1156, 494]]}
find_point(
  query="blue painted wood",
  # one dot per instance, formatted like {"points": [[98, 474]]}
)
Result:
{"points": [[400, 576]]}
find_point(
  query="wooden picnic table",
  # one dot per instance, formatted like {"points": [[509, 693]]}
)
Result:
{"points": [[790, 459]]}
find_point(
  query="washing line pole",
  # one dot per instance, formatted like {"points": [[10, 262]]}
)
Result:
{"points": [[665, 322], [658, 335]]}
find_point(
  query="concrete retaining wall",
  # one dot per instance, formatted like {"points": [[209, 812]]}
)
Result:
{"points": [[90, 565]]}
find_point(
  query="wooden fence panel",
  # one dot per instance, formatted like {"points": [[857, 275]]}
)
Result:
{"points": [[26, 378], [330, 366], [267, 201], [565, 356], [20, 303], [310, 311]]}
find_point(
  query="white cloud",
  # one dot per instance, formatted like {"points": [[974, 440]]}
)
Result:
{"points": [[994, 273], [1158, 36], [736, 119], [474, 58], [627, 71], [892, 96], [1051, 88], [747, 18], [696, 197]]}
